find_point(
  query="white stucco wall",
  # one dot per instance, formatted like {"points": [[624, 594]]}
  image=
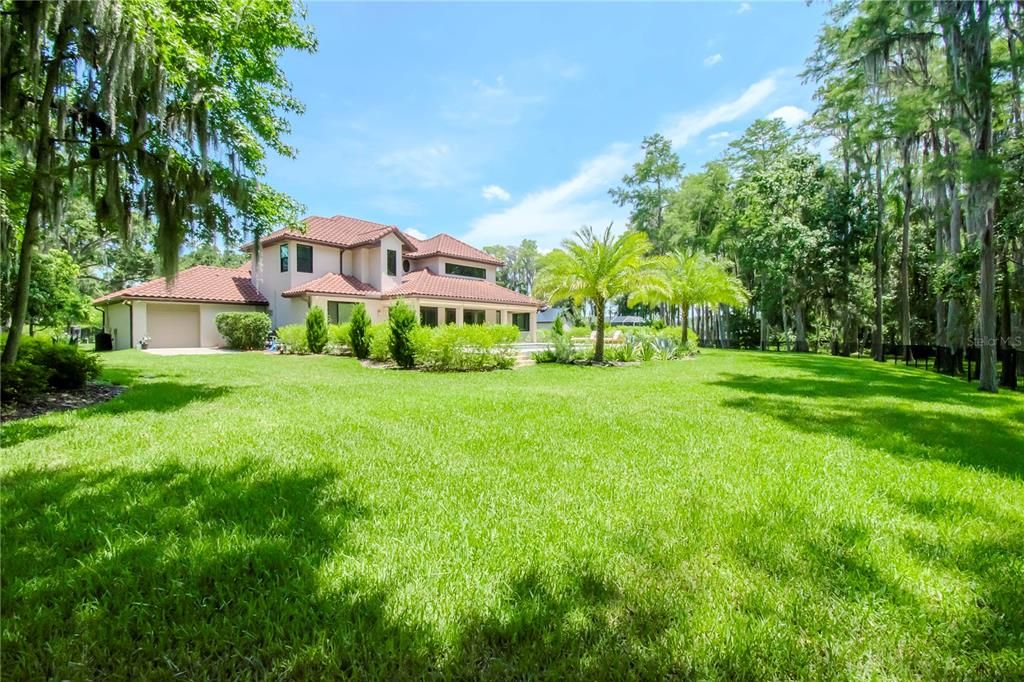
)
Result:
{"points": [[393, 243], [271, 282], [139, 330], [118, 324]]}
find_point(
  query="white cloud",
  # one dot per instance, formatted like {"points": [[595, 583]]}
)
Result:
{"points": [[712, 60], [549, 215], [412, 231], [791, 115], [488, 103], [431, 165], [571, 71], [690, 125], [743, 8], [719, 137], [491, 192]]}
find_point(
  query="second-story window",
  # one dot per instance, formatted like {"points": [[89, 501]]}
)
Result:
{"points": [[303, 258], [284, 257], [392, 263], [464, 270]]}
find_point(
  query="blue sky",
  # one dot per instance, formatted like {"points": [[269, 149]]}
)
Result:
{"points": [[495, 122]]}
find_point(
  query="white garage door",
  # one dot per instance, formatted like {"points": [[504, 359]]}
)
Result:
{"points": [[172, 326]]}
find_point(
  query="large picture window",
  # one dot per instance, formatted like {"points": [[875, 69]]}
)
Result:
{"points": [[464, 271], [428, 317], [284, 257], [303, 258], [392, 262], [474, 317], [521, 320], [450, 316], [339, 312]]}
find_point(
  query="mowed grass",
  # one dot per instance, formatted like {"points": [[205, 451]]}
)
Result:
{"points": [[740, 515]]}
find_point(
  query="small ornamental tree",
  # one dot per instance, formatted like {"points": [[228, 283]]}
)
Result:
{"points": [[403, 327], [316, 330], [359, 332]]}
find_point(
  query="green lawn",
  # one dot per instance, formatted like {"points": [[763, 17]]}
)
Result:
{"points": [[740, 515]]}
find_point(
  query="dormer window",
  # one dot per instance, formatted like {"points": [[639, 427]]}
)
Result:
{"points": [[392, 262]]}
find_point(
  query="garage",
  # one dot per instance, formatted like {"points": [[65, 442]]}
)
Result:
{"points": [[182, 314], [173, 326]]}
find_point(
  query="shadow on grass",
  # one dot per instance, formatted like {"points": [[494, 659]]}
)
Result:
{"points": [[156, 396], [844, 585], [22, 430], [197, 572], [242, 572], [583, 628], [186, 572], [853, 405]]}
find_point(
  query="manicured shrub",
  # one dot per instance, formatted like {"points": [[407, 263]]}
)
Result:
{"points": [[338, 339], [291, 338], [402, 320], [467, 348], [380, 342], [244, 331], [68, 366], [23, 381], [359, 332], [316, 330]]}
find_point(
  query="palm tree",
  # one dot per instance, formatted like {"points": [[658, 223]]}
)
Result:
{"points": [[697, 279], [597, 268]]}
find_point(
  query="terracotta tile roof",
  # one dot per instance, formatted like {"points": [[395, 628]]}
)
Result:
{"points": [[340, 231], [340, 285], [424, 283], [446, 245], [199, 284], [345, 232]]}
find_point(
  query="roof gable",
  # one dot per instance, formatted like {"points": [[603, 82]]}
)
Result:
{"points": [[340, 231], [199, 284], [447, 245]]}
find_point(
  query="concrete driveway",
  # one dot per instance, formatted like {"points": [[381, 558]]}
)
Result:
{"points": [[188, 351]]}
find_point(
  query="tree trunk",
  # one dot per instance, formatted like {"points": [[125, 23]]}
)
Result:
{"points": [[987, 305], [905, 254], [599, 345], [954, 322], [877, 342], [1008, 378], [785, 325], [685, 310], [801, 329], [939, 199], [983, 187], [42, 184], [726, 315], [764, 327]]}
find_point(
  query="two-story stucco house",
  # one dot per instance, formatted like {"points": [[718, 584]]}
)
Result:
{"points": [[334, 264]]}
